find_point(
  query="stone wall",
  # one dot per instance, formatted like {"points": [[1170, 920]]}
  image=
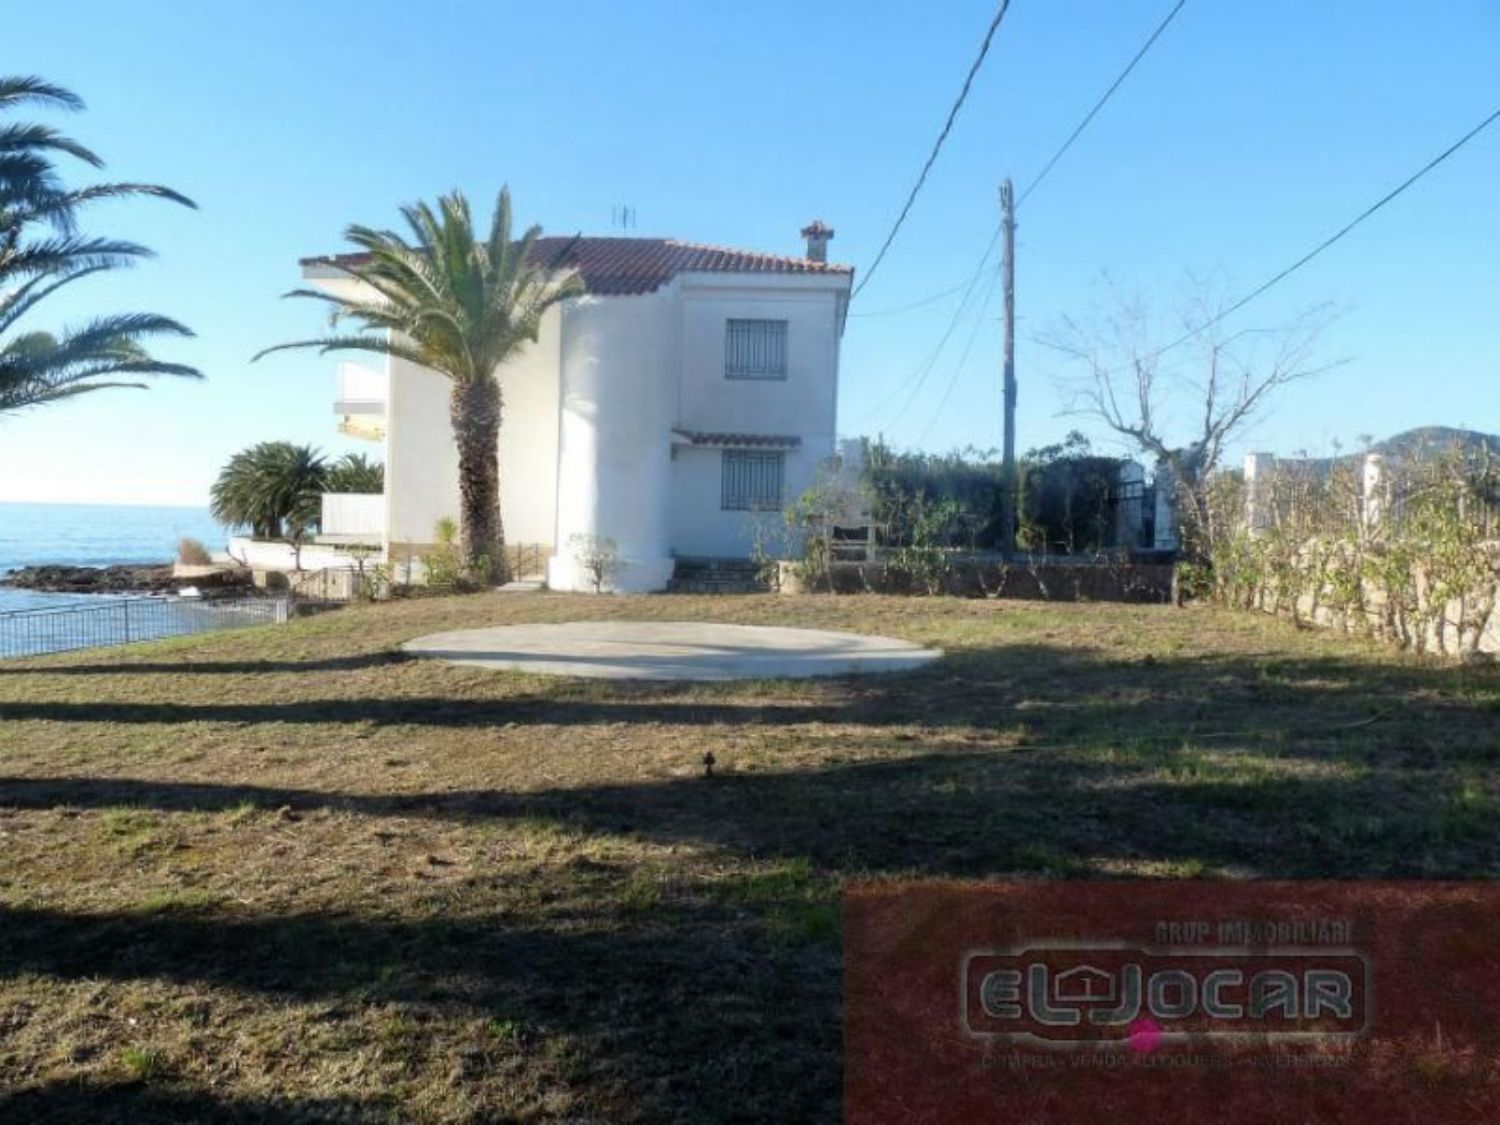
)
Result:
{"points": [[1466, 627], [1363, 569]]}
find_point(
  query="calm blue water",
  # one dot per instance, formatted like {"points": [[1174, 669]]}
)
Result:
{"points": [[93, 535]]}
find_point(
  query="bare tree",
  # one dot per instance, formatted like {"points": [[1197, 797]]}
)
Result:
{"points": [[1182, 398]]}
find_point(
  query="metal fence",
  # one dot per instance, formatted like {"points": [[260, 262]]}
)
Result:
{"points": [[527, 560], [32, 632]]}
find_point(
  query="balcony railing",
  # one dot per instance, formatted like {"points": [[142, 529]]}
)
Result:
{"points": [[353, 517]]}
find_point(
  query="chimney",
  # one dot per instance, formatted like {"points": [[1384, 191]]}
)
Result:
{"points": [[817, 234]]}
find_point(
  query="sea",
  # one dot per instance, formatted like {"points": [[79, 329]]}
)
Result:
{"points": [[93, 535]]}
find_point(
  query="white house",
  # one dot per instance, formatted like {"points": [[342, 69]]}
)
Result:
{"points": [[690, 388]]}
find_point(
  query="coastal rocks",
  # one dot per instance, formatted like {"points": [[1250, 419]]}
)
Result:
{"points": [[147, 579], [93, 579]]}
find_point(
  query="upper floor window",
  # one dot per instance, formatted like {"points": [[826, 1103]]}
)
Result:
{"points": [[755, 349]]}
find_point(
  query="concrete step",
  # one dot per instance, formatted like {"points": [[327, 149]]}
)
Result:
{"points": [[715, 576]]}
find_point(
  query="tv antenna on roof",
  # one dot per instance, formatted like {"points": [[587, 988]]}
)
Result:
{"points": [[622, 217]]}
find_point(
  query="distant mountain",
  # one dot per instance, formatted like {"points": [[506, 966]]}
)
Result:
{"points": [[1412, 445], [1428, 441]]}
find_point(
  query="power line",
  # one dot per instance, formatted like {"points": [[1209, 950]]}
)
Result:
{"points": [[920, 373], [963, 359], [931, 364], [1056, 156], [933, 298], [1088, 117], [1327, 242], [963, 93], [1051, 163], [928, 300]]}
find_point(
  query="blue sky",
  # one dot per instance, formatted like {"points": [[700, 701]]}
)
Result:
{"points": [[1249, 133]]}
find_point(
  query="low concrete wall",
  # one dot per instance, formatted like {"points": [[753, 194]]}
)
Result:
{"points": [[258, 554], [215, 576]]}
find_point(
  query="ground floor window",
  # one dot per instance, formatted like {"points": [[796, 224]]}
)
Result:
{"points": [[752, 481]]}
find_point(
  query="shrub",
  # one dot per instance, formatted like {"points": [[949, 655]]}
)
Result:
{"points": [[599, 557], [1422, 573], [192, 552], [1064, 504], [444, 563], [834, 499]]}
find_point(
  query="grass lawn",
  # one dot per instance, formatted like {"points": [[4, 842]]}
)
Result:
{"points": [[285, 873]]}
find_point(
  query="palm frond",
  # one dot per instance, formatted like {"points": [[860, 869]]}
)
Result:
{"points": [[21, 398], [21, 300], [21, 89], [39, 367], [325, 344], [25, 137], [111, 333], [67, 253], [35, 365], [61, 208]]}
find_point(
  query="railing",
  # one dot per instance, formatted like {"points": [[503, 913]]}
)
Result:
{"points": [[33, 632], [527, 560], [360, 389]]}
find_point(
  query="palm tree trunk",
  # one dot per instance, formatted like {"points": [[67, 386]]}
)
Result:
{"points": [[474, 409]]}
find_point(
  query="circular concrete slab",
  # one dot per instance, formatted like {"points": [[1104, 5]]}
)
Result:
{"points": [[671, 650]]}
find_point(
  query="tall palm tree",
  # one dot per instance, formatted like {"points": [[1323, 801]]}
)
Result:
{"points": [[41, 251], [461, 307]]}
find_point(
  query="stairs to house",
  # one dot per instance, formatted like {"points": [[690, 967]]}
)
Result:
{"points": [[715, 576]]}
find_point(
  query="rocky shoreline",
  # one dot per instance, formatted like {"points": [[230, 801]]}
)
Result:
{"points": [[150, 578]]}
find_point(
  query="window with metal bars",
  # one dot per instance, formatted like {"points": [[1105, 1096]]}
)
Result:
{"points": [[755, 349], [751, 481]]}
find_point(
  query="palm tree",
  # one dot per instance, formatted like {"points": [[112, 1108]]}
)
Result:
{"points": [[354, 472], [274, 488], [41, 252], [460, 307]]}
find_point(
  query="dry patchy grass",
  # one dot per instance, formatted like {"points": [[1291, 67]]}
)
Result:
{"points": [[287, 874]]}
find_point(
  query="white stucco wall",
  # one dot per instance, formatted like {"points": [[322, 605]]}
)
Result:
{"points": [[803, 405], [617, 409], [421, 470], [528, 436], [701, 527]]}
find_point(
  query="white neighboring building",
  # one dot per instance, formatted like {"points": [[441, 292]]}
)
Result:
{"points": [[689, 388]]}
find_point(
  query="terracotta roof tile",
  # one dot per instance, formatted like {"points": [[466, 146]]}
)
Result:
{"points": [[628, 266]]}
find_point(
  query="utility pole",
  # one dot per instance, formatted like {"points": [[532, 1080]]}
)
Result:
{"points": [[1009, 490]]}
